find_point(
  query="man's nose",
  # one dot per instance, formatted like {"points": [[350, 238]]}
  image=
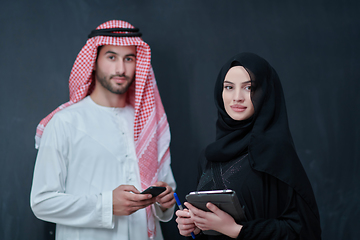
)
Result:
{"points": [[120, 68]]}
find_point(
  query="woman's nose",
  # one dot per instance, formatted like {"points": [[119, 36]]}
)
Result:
{"points": [[238, 96]]}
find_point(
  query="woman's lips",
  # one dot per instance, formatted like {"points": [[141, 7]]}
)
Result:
{"points": [[238, 108]]}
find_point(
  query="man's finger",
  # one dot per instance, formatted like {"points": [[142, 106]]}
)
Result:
{"points": [[165, 198], [138, 197], [129, 188]]}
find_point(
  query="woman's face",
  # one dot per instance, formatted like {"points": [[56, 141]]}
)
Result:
{"points": [[236, 94]]}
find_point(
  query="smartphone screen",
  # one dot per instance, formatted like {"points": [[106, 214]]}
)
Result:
{"points": [[153, 190]]}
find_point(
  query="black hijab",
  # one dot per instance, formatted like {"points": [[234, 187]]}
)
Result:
{"points": [[266, 135]]}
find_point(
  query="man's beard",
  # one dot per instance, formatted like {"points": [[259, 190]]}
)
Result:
{"points": [[105, 82]]}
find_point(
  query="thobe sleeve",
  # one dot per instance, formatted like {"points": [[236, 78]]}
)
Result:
{"points": [[165, 175], [49, 200]]}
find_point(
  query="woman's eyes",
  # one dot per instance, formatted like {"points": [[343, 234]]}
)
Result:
{"points": [[248, 88]]}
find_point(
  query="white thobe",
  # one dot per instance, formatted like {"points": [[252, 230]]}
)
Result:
{"points": [[86, 151]]}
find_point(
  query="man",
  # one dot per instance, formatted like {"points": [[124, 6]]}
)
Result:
{"points": [[106, 145]]}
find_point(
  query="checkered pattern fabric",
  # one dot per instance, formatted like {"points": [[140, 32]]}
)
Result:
{"points": [[151, 129]]}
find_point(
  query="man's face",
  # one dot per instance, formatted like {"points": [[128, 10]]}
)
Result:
{"points": [[115, 68]]}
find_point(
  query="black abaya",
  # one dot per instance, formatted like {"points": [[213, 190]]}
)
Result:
{"points": [[257, 158]]}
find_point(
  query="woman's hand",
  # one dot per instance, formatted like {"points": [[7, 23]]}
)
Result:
{"points": [[217, 220], [185, 223]]}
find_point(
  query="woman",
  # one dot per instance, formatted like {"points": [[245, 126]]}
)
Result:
{"points": [[254, 155]]}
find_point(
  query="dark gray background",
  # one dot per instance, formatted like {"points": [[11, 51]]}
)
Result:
{"points": [[313, 45]]}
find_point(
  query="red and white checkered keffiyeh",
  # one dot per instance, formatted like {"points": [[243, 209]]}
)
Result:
{"points": [[151, 129]]}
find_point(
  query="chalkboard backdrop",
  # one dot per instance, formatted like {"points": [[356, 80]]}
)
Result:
{"points": [[313, 45]]}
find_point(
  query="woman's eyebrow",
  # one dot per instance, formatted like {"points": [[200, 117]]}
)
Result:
{"points": [[246, 82], [225, 81]]}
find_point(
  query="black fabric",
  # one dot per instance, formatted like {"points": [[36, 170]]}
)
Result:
{"points": [[114, 32], [266, 142], [273, 209]]}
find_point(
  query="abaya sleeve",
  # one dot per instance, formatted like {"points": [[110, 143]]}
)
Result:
{"points": [[286, 226]]}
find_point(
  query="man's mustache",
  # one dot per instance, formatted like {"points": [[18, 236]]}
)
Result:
{"points": [[120, 75]]}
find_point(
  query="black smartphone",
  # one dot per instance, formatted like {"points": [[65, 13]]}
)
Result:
{"points": [[153, 190]]}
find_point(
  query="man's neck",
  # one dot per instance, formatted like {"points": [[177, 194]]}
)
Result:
{"points": [[109, 99]]}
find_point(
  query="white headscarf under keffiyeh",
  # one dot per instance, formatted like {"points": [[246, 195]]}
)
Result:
{"points": [[151, 129]]}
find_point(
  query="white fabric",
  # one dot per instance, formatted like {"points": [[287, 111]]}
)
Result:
{"points": [[87, 151]]}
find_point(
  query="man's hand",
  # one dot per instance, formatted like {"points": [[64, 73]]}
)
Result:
{"points": [[165, 199], [127, 200]]}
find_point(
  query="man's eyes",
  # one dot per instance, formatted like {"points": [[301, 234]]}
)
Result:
{"points": [[130, 59], [126, 59]]}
